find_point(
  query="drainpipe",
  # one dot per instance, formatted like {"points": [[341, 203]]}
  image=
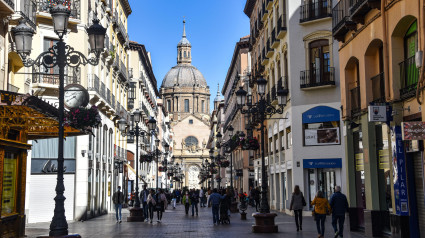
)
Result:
{"points": [[385, 51], [6, 56], [421, 49]]}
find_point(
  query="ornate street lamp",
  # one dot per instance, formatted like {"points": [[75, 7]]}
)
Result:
{"points": [[136, 213], [261, 111], [157, 161], [59, 56]]}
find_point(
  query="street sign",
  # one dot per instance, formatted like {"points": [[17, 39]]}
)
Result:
{"points": [[377, 113]]}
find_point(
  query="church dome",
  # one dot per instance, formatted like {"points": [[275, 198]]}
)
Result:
{"points": [[184, 75], [184, 42]]}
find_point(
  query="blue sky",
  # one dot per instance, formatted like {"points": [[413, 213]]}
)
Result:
{"points": [[212, 27]]}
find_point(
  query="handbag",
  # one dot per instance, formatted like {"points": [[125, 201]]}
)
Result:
{"points": [[304, 202], [313, 214]]}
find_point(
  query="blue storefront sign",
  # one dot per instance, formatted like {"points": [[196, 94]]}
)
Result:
{"points": [[322, 163], [321, 114], [399, 174]]}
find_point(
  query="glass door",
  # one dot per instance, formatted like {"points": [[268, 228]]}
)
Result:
{"points": [[326, 182]]}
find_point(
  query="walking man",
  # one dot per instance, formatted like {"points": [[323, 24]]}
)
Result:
{"points": [[201, 197], [118, 199], [194, 198], [144, 198], [215, 199], [339, 205]]}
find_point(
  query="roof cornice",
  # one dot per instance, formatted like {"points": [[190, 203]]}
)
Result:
{"points": [[126, 6], [249, 7], [241, 44]]}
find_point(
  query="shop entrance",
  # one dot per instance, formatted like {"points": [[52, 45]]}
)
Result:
{"points": [[323, 180]]}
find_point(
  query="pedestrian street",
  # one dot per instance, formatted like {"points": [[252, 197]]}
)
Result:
{"points": [[176, 224]]}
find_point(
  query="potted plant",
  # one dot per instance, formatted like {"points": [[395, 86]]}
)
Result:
{"points": [[83, 118]]}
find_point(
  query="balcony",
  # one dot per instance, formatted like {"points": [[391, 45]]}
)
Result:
{"points": [[281, 27], [315, 78], [341, 22], [409, 76], [264, 59], [359, 8], [355, 101], [315, 10], [264, 12], [49, 81], [122, 72], [116, 64], [43, 8], [275, 42], [7, 6], [120, 28], [378, 88], [269, 5], [270, 51], [113, 101]]}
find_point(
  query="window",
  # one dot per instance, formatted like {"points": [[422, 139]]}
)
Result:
{"points": [[191, 140], [320, 60], [51, 75], [190, 121], [185, 54], [169, 105], [186, 105], [180, 54], [202, 106], [288, 138], [8, 198]]}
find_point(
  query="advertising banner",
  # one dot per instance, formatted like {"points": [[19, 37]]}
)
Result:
{"points": [[414, 130], [399, 173], [329, 136]]}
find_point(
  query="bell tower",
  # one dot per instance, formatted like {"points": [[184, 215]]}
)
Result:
{"points": [[184, 49]]}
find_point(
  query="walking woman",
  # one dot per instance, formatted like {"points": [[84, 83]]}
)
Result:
{"points": [[151, 204], [186, 201], [297, 204], [161, 203], [321, 209]]}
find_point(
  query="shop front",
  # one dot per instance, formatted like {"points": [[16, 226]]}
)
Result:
{"points": [[22, 118]]}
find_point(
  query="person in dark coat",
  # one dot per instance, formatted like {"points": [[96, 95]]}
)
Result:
{"points": [[297, 204], [118, 199], [339, 205]]}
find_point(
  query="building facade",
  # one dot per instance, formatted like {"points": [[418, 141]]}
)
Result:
{"points": [[186, 96], [378, 43], [292, 47]]}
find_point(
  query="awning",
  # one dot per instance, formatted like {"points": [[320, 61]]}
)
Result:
{"points": [[29, 113], [133, 174]]}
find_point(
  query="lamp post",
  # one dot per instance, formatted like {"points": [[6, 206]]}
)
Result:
{"points": [[261, 111], [136, 213], [60, 55], [220, 144]]}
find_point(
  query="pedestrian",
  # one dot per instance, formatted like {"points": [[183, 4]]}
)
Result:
{"points": [[144, 198], [161, 204], [178, 196], [151, 204], [186, 202], [297, 204], [194, 199], [201, 197], [174, 199], [209, 194], [339, 205], [215, 199], [321, 209], [118, 199], [257, 198]]}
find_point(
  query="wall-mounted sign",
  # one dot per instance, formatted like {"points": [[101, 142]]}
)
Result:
{"points": [[377, 113], [359, 162], [329, 136], [414, 130], [322, 163], [399, 173], [384, 159], [320, 114], [50, 166]]}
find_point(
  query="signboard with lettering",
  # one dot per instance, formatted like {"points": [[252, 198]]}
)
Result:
{"points": [[329, 136], [399, 173], [359, 162], [377, 113], [414, 130], [322, 163]]}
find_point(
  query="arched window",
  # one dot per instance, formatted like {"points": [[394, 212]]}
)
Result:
{"points": [[185, 54], [191, 140], [180, 54]]}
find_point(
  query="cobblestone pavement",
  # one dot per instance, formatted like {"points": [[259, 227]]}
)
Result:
{"points": [[176, 224]]}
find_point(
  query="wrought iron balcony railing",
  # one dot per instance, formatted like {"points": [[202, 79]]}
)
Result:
{"points": [[314, 10], [378, 88], [40, 76], [74, 6], [27, 9], [355, 101], [122, 72], [121, 30], [113, 101], [341, 22], [102, 91], [409, 76], [108, 96], [317, 77], [11, 3], [281, 26]]}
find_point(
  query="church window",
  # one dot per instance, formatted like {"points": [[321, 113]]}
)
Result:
{"points": [[202, 106], [180, 54], [190, 121], [185, 54], [169, 105], [186, 105], [188, 54], [191, 140]]}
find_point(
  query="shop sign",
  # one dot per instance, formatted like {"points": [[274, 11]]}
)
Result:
{"points": [[328, 136], [399, 173], [320, 114], [50, 166], [359, 162], [377, 113], [384, 159], [414, 130], [322, 163]]}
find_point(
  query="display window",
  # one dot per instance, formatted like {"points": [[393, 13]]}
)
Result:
{"points": [[8, 196]]}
